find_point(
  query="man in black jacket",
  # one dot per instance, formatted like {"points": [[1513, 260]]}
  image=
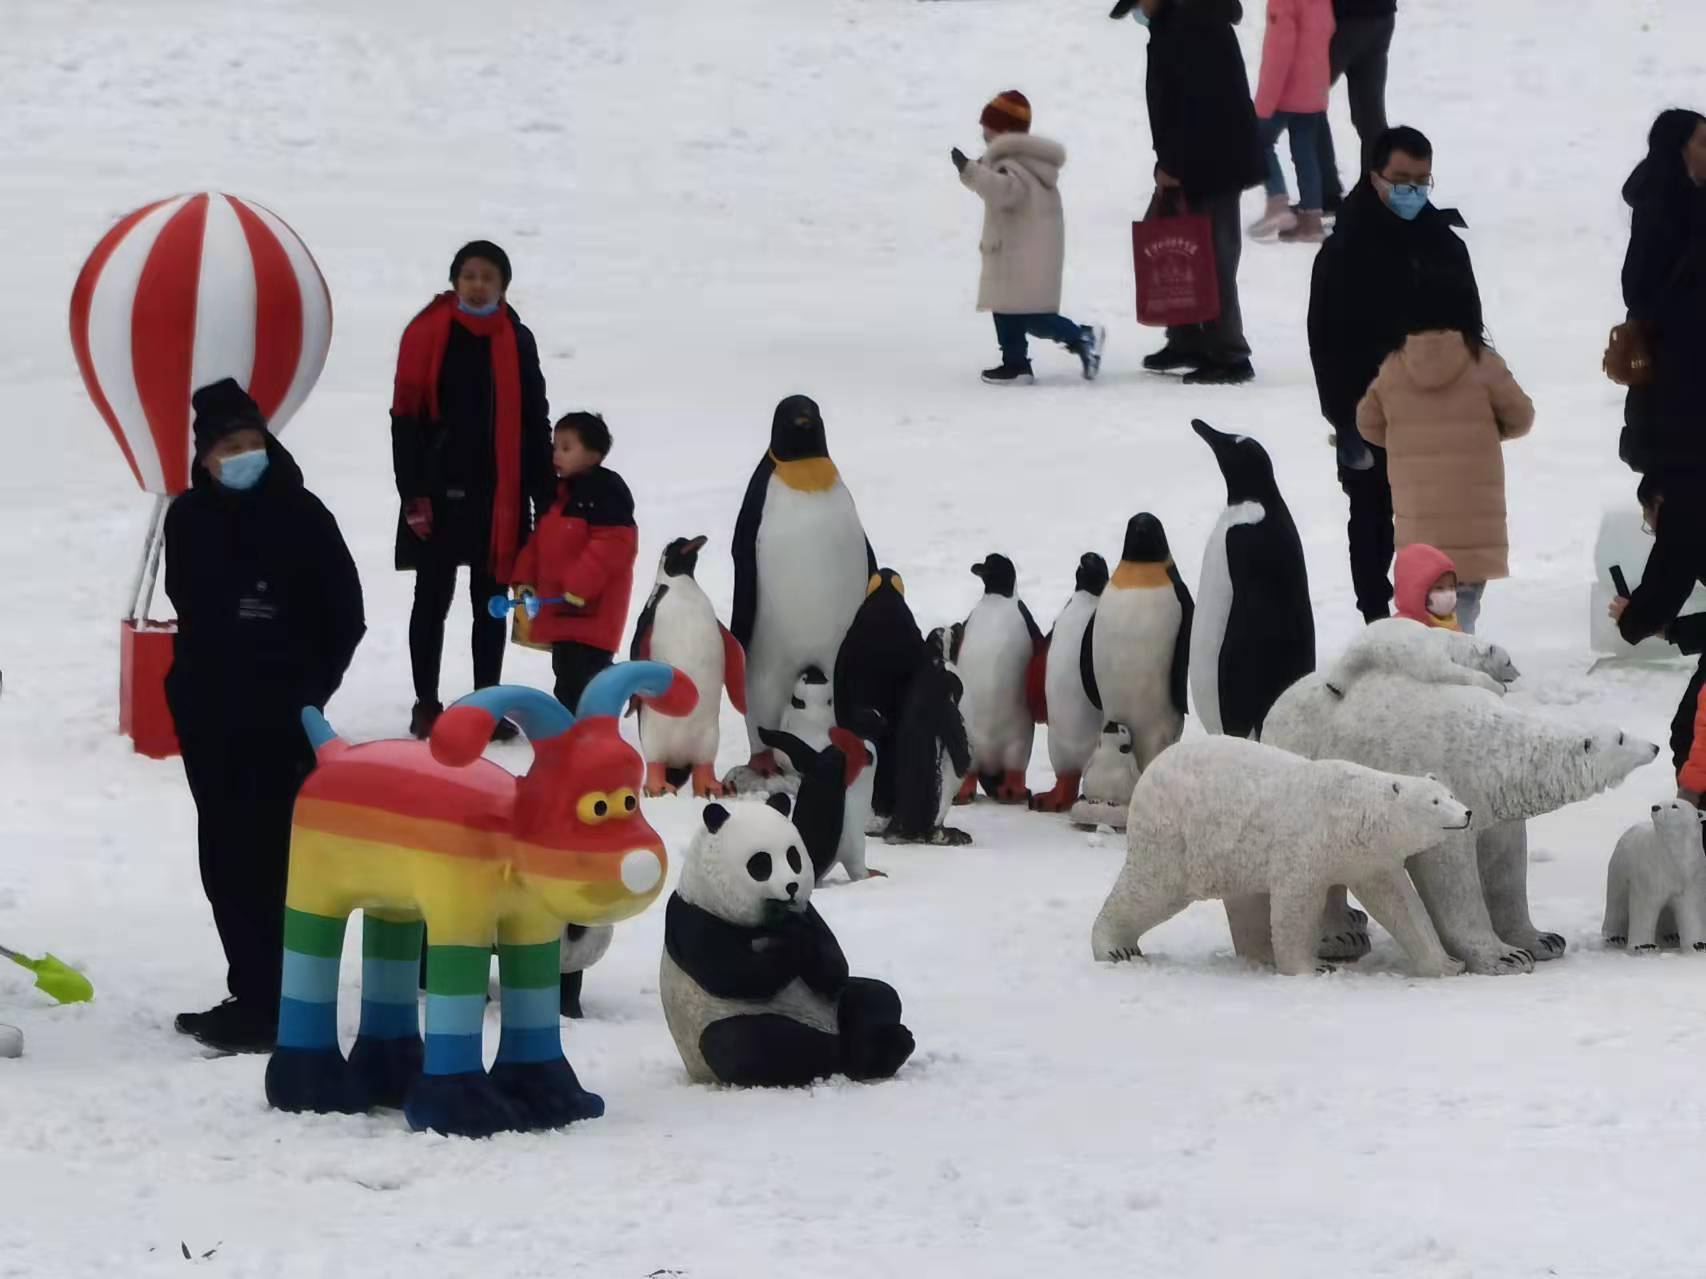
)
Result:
{"points": [[1208, 151], [269, 615], [1394, 257], [1670, 501], [1362, 43]]}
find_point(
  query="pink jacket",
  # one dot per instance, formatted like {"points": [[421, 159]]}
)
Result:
{"points": [[1296, 68]]}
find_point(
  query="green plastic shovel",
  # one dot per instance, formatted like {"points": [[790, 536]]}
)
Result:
{"points": [[54, 977]]}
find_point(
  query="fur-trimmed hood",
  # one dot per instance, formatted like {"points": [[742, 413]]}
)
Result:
{"points": [[1041, 157]]}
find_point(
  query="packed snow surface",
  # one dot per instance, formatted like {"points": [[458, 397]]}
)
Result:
{"points": [[711, 207]]}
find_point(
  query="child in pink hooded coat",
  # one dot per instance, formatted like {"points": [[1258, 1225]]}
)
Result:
{"points": [[1424, 587], [1292, 97]]}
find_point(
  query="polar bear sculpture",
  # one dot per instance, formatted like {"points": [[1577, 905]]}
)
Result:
{"points": [[1269, 833], [1430, 654], [1655, 886], [1506, 764]]}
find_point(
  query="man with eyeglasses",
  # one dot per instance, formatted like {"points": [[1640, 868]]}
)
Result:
{"points": [[1392, 257]]}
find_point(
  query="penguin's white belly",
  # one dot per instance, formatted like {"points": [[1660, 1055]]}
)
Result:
{"points": [[812, 571], [1213, 611], [685, 634], [855, 817], [951, 779], [1132, 650], [1074, 723], [993, 657]]}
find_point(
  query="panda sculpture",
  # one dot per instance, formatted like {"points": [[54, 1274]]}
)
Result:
{"points": [[755, 988]]}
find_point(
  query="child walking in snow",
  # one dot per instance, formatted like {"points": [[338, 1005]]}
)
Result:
{"points": [[1442, 407], [583, 553], [1425, 587], [1024, 241], [1291, 96]]}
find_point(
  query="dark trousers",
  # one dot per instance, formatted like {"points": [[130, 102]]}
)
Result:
{"points": [[435, 588], [244, 784], [1220, 341], [1011, 331], [1359, 52], [1370, 534], [1682, 727], [574, 665]]}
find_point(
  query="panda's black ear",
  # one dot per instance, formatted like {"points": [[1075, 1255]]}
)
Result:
{"points": [[715, 815], [780, 803]]}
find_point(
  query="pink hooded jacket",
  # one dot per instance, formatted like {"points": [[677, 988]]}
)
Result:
{"points": [[1296, 66], [1417, 568]]}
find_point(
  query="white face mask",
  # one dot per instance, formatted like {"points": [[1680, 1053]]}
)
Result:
{"points": [[1442, 603]]}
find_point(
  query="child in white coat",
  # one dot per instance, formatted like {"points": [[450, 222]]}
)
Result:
{"points": [[1024, 241]]}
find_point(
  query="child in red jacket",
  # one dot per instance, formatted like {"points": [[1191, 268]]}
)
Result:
{"points": [[582, 553], [1426, 588]]}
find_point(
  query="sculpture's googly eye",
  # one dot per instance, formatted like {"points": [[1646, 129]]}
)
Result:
{"points": [[593, 807]]}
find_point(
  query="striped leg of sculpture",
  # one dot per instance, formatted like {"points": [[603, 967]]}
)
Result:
{"points": [[388, 1052], [531, 1069], [452, 1094], [307, 1071]]}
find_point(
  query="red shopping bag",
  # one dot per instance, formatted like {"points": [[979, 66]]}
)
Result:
{"points": [[1173, 251]]}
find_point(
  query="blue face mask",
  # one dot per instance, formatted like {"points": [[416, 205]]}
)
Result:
{"points": [[1407, 201], [490, 309], [1140, 17], [243, 471]]}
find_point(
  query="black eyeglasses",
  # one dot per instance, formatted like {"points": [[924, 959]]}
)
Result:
{"points": [[1418, 186]]}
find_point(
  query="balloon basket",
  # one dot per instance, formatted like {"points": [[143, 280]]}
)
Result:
{"points": [[145, 655]]}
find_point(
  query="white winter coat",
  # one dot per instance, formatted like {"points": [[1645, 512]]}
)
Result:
{"points": [[1024, 229]]}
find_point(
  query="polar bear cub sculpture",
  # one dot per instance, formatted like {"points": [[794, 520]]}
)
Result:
{"points": [[1269, 833], [1656, 884], [1426, 653]]}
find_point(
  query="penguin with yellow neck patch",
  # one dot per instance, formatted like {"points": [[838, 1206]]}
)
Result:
{"points": [[1135, 655], [801, 564]]}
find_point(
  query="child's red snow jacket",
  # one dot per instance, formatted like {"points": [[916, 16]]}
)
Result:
{"points": [[584, 547]]}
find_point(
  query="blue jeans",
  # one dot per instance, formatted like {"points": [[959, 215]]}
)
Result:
{"points": [[1010, 332], [1305, 153], [1469, 605]]}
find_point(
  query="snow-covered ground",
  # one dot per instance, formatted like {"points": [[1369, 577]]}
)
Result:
{"points": [[710, 207]]}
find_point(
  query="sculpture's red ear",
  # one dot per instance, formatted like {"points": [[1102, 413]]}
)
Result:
{"points": [[461, 734]]}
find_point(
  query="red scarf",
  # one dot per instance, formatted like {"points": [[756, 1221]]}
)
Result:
{"points": [[416, 395]]}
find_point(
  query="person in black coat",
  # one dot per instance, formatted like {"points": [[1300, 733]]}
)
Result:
{"points": [[1670, 502], [1664, 287], [1393, 259], [1208, 151], [471, 449], [1361, 49], [269, 614]]}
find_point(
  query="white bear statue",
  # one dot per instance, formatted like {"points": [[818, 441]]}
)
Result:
{"points": [[1655, 887], [1269, 833]]}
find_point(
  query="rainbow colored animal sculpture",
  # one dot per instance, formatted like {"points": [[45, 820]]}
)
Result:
{"points": [[430, 840]]}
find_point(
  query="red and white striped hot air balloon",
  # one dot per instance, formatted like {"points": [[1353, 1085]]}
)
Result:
{"points": [[184, 292]]}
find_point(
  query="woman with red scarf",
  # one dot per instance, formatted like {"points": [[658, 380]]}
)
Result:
{"points": [[471, 446]]}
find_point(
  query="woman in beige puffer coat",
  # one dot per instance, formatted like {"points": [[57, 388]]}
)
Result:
{"points": [[1442, 407], [1024, 241]]}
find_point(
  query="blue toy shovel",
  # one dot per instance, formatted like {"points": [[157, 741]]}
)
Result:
{"points": [[501, 606]]}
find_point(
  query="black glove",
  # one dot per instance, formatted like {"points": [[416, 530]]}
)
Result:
{"points": [[959, 158]]}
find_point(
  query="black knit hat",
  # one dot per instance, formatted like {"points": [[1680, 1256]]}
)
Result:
{"points": [[221, 408], [486, 251]]}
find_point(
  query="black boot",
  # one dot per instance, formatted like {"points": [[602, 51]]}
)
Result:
{"points": [[425, 715], [233, 1027]]}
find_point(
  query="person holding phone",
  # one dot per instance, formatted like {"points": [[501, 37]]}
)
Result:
{"points": [[1678, 524]]}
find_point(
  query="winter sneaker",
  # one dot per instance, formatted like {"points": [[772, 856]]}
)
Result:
{"points": [[1308, 229], [1277, 219], [1234, 374], [233, 1027], [1089, 349], [421, 720], [1329, 213], [1009, 375], [1170, 360]]}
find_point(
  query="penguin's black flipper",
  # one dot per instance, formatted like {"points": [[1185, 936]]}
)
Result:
{"points": [[1087, 664], [1181, 671], [801, 756], [641, 649], [745, 551], [952, 729], [870, 560]]}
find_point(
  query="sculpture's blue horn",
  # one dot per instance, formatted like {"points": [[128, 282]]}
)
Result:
{"points": [[318, 730], [611, 688], [537, 714]]}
